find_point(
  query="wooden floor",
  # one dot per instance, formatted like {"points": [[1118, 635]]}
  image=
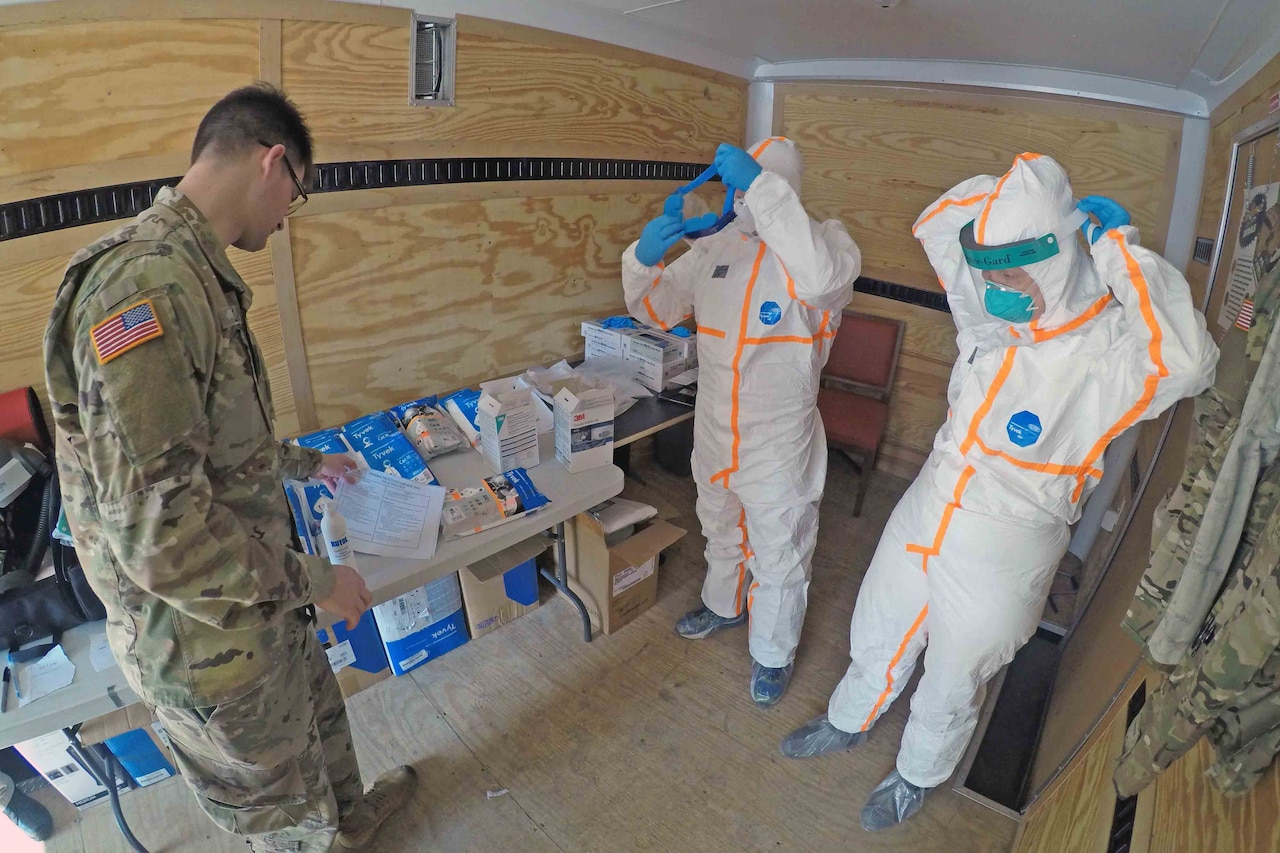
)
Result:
{"points": [[529, 739]]}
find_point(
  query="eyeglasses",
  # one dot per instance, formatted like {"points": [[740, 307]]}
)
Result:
{"points": [[301, 198]]}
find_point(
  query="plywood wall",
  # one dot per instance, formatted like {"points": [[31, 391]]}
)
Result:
{"points": [[372, 297], [876, 156]]}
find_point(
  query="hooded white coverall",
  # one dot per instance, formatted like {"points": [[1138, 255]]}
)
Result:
{"points": [[967, 556], [767, 292]]}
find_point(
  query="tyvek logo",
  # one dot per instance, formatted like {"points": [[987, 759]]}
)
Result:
{"points": [[1024, 429], [770, 313]]}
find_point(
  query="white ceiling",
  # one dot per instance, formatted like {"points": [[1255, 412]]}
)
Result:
{"points": [[1161, 41]]}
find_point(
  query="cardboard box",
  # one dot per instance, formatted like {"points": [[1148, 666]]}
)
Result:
{"points": [[605, 343], [508, 424], [656, 358], [357, 657], [422, 625], [616, 583], [48, 754], [502, 588], [686, 347], [584, 426]]}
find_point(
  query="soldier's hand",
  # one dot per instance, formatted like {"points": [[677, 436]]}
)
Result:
{"points": [[350, 598], [336, 467]]}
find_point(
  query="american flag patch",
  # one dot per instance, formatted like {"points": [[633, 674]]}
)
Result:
{"points": [[1244, 320], [125, 330]]}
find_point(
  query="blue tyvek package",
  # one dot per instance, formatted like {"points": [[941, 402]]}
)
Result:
{"points": [[369, 430], [395, 455]]}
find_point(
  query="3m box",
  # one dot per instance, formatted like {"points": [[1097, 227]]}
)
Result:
{"points": [[357, 657], [422, 625], [48, 754], [602, 342], [501, 588], [584, 426], [508, 424], [616, 583], [655, 357]]}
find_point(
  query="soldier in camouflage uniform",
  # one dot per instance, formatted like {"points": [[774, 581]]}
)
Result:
{"points": [[172, 482], [1209, 602]]}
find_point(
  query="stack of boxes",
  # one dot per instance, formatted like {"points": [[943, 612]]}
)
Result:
{"points": [[657, 357]]}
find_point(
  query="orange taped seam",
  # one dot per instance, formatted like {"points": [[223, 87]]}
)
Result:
{"points": [[1043, 467], [1092, 311], [888, 674], [1005, 367], [737, 369], [778, 339], [943, 205], [945, 522], [981, 232], [648, 306]]}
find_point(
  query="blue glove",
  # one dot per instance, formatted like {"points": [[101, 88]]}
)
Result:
{"points": [[620, 322], [737, 168], [698, 223], [1109, 212], [659, 236], [679, 332]]}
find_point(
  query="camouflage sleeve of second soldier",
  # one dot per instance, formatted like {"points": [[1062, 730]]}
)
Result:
{"points": [[144, 412]]}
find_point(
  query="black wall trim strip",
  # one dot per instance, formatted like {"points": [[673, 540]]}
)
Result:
{"points": [[123, 201], [902, 293]]}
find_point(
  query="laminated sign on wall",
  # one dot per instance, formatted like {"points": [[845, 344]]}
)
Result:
{"points": [[1256, 252]]}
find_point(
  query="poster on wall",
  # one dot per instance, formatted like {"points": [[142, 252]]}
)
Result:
{"points": [[1256, 253]]}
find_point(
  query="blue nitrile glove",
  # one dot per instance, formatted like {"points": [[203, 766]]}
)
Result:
{"points": [[620, 322], [737, 168], [698, 223], [1109, 212], [679, 332], [660, 234]]}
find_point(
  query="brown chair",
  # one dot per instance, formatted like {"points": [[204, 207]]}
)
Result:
{"points": [[856, 384]]}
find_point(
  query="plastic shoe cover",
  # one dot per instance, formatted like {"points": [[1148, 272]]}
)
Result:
{"points": [[891, 802], [769, 683], [697, 624], [818, 737]]}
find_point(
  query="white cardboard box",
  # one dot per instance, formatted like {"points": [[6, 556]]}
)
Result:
{"points": [[655, 357], [48, 754], [602, 342], [508, 424], [584, 426]]}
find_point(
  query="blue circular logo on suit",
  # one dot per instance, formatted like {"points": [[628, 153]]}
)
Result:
{"points": [[1024, 429], [770, 313]]}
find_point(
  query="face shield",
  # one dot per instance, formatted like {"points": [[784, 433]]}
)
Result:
{"points": [[1005, 274]]}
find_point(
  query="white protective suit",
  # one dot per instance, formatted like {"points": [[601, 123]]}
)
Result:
{"points": [[967, 556], [767, 292]]}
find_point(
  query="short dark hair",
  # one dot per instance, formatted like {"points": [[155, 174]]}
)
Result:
{"points": [[250, 116]]}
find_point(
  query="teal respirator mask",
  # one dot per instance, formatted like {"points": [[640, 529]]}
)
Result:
{"points": [[1001, 300]]}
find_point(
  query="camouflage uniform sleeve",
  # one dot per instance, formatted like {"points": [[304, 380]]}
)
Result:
{"points": [[296, 462], [143, 411]]}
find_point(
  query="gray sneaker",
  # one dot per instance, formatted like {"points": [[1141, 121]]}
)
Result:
{"points": [[697, 624]]}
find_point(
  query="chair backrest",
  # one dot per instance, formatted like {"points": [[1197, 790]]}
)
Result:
{"points": [[865, 353]]}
